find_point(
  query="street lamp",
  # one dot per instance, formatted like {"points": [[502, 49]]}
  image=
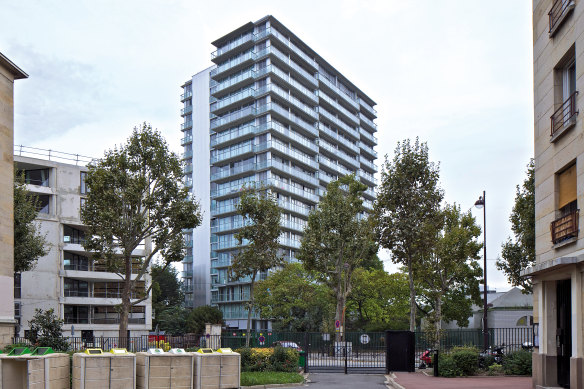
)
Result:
{"points": [[481, 203]]}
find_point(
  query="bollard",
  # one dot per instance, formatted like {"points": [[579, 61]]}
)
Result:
{"points": [[435, 363]]}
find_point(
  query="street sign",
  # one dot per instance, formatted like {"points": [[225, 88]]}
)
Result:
{"points": [[364, 339], [337, 324], [262, 339]]}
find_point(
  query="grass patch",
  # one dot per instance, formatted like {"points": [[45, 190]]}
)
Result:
{"points": [[249, 378]]}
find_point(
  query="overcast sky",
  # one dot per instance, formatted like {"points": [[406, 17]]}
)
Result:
{"points": [[457, 74]]}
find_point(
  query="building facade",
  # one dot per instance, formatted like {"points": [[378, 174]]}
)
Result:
{"points": [[8, 73], [270, 112], [67, 279], [558, 45]]}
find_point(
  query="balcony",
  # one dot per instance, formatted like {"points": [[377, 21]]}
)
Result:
{"points": [[186, 95], [289, 242], [366, 135], [188, 169], [368, 122], [186, 125], [231, 208], [233, 64], [292, 225], [559, 12], [565, 227], [291, 117], [339, 138], [233, 82], [368, 150], [297, 174], [289, 62], [347, 115], [232, 153], [187, 259], [334, 88], [368, 177], [233, 134], [336, 167], [368, 165], [304, 92], [302, 210], [275, 89], [285, 187], [233, 118], [225, 103], [186, 110], [338, 122], [288, 152], [368, 108], [187, 154], [290, 134], [233, 171], [339, 153], [246, 40], [564, 118], [186, 139], [293, 48]]}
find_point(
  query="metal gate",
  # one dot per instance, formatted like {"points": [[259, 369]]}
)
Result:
{"points": [[358, 352]]}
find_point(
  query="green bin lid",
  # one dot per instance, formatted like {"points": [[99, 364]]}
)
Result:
{"points": [[42, 351], [19, 351]]}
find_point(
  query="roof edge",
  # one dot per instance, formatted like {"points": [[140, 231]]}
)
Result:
{"points": [[17, 72]]}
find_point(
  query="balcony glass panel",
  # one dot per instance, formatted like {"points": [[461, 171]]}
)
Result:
{"points": [[232, 45], [368, 108], [368, 122], [231, 99], [233, 133], [221, 121], [291, 134], [367, 135], [349, 115], [248, 56], [342, 125], [246, 75], [337, 90]]}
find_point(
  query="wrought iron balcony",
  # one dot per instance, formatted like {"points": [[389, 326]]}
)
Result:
{"points": [[565, 116], [565, 227], [559, 12]]}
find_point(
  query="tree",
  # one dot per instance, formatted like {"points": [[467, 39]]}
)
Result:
{"points": [[295, 300], [407, 209], [29, 244], [452, 270], [173, 320], [378, 300], [166, 290], [136, 198], [46, 330], [519, 253], [336, 240], [202, 315], [257, 240]]}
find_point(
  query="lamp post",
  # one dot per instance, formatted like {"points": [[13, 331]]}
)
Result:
{"points": [[481, 203]]}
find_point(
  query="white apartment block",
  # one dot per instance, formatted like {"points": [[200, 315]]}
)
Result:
{"points": [[67, 279]]}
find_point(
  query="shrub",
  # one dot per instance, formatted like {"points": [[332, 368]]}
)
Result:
{"points": [[268, 359], [447, 367], [466, 359], [46, 330], [518, 363], [284, 359], [495, 369]]}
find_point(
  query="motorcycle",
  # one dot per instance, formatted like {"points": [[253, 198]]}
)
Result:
{"points": [[496, 353]]}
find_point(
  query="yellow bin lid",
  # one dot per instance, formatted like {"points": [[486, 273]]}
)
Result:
{"points": [[93, 351], [205, 351]]}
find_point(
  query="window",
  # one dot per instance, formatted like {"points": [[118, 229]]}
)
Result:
{"points": [[82, 186], [76, 288], [565, 93], [43, 203], [17, 285], [73, 235], [38, 177], [76, 314], [75, 262], [566, 225]]}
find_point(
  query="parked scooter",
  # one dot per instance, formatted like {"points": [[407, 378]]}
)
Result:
{"points": [[496, 353], [426, 359]]}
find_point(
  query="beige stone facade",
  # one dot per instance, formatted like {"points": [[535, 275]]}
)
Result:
{"points": [[558, 42], [8, 73]]}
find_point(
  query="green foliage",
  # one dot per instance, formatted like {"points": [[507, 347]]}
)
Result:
{"points": [[518, 363], [495, 369], [136, 195], [335, 240], [249, 378], [173, 320], [407, 209], [11, 347], [29, 244], [466, 359], [294, 299], [199, 316], [46, 330], [257, 240], [378, 301], [447, 367], [166, 291], [519, 253], [268, 359]]}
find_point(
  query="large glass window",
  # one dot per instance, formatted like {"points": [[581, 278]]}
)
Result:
{"points": [[73, 235], [83, 189], [38, 177], [43, 203], [75, 262], [17, 285], [76, 314], [76, 288]]}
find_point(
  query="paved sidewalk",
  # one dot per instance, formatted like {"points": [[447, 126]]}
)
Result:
{"points": [[422, 381]]}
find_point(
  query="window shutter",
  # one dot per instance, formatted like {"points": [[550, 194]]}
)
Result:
{"points": [[567, 184]]}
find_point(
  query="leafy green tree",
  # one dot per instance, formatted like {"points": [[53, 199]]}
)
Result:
{"points": [[407, 209], [257, 240], [336, 240], [452, 270], [202, 315], [173, 320], [46, 330], [166, 290], [137, 198], [519, 253], [295, 300], [378, 300], [29, 244]]}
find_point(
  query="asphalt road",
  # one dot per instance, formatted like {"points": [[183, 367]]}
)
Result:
{"points": [[345, 381]]}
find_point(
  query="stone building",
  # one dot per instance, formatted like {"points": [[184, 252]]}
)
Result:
{"points": [[8, 73]]}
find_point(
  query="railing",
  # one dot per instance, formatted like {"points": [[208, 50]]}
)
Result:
{"points": [[344, 141], [333, 86], [221, 121], [51, 155], [233, 133], [232, 45], [369, 108], [368, 121], [186, 110], [559, 11], [248, 74], [186, 95], [565, 227], [367, 135], [341, 124], [186, 125], [563, 115]]}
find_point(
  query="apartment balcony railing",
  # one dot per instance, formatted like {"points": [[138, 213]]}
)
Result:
{"points": [[240, 115], [368, 108], [369, 192], [223, 209], [186, 139], [345, 142], [232, 45], [232, 99], [295, 49], [565, 116], [188, 169], [291, 171], [292, 189], [339, 153], [368, 205], [218, 263], [559, 12], [289, 242], [283, 76], [338, 122], [301, 157], [272, 50], [290, 116], [333, 86], [187, 273], [565, 227], [293, 207], [233, 134], [349, 116], [369, 165], [187, 259], [334, 166], [368, 122], [233, 81], [290, 134], [368, 177], [186, 110], [233, 63], [288, 98], [225, 298], [292, 225], [368, 149], [222, 227], [186, 95], [189, 182], [187, 154], [186, 125], [368, 136]]}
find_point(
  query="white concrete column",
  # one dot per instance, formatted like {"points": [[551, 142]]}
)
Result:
{"points": [[577, 338]]}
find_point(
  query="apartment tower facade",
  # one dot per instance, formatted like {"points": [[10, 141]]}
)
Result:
{"points": [[79, 289], [558, 48], [271, 112]]}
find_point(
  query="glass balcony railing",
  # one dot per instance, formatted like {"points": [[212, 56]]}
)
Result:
{"points": [[233, 171], [292, 172], [186, 125], [188, 169], [285, 59], [233, 134], [368, 176], [333, 86], [187, 259], [368, 108], [291, 45], [339, 153], [369, 192], [368, 205], [368, 122], [292, 225], [304, 91], [293, 118], [232, 99], [294, 207], [232, 45], [289, 98], [289, 242], [345, 142], [187, 154], [369, 150], [367, 135], [231, 153], [232, 63], [334, 166], [368, 164], [234, 116], [186, 95], [342, 125], [348, 115], [292, 189], [223, 209], [186, 139], [232, 81], [304, 158], [291, 134], [186, 110]]}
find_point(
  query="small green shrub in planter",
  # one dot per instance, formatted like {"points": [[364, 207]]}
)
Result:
{"points": [[447, 367], [518, 363], [495, 369], [466, 359]]}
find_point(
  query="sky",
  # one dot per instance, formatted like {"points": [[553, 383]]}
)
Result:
{"points": [[457, 74]]}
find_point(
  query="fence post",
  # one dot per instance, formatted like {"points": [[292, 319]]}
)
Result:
{"points": [[306, 351]]}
